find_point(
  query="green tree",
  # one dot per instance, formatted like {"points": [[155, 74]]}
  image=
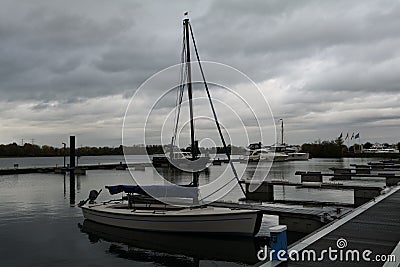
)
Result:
{"points": [[367, 145], [325, 149], [339, 141]]}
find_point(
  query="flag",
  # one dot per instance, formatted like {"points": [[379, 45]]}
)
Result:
{"points": [[347, 136], [352, 136], [341, 135], [357, 136]]}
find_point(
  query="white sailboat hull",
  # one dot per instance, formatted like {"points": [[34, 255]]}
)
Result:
{"points": [[261, 154], [200, 220]]}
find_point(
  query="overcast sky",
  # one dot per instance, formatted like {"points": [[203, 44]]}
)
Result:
{"points": [[325, 67]]}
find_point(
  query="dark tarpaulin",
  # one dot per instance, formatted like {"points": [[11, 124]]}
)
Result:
{"points": [[116, 189], [155, 190]]}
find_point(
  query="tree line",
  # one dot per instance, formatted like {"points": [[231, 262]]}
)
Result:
{"points": [[324, 149], [32, 150], [337, 149]]}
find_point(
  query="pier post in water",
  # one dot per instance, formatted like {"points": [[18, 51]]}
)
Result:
{"points": [[72, 152], [72, 169]]}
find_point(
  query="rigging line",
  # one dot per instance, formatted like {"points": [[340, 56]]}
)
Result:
{"points": [[176, 110], [214, 112], [179, 93], [181, 75], [179, 104]]}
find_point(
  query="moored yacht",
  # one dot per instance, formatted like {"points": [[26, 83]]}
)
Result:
{"points": [[256, 152], [292, 152], [279, 152]]}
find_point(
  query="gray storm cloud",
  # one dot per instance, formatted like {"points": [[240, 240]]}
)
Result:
{"points": [[325, 66]]}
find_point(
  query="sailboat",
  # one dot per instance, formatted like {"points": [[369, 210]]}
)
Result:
{"points": [[142, 209], [291, 152]]}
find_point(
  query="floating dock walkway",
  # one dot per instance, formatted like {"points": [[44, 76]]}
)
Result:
{"points": [[297, 219], [78, 169], [374, 226], [265, 191]]}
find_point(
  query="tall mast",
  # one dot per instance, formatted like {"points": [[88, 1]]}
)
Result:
{"points": [[189, 85], [282, 131]]}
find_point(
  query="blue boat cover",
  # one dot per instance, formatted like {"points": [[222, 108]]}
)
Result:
{"points": [[155, 190]]}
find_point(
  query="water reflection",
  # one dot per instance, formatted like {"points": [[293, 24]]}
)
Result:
{"points": [[78, 183], [174, 249], [38, 225], [65, 186], [72, 187], [177, 176]]}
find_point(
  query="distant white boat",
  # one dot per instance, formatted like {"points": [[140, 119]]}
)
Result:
{"points": [[292, 151], [378, 148], [279, 151], [258, 155], [256, 152]]}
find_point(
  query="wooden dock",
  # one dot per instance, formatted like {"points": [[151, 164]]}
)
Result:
{"points": [[265, 191], [375, 226], [298, 219], [84, 167], [79, 169], [343, 174]]}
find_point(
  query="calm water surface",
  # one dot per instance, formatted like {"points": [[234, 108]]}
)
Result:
{"points": [[41, 226]]}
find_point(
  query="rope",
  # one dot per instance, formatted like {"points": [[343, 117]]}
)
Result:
{"points": [[180, 91]]}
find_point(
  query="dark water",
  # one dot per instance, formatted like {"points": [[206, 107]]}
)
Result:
{"points": [[41, 226]]}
